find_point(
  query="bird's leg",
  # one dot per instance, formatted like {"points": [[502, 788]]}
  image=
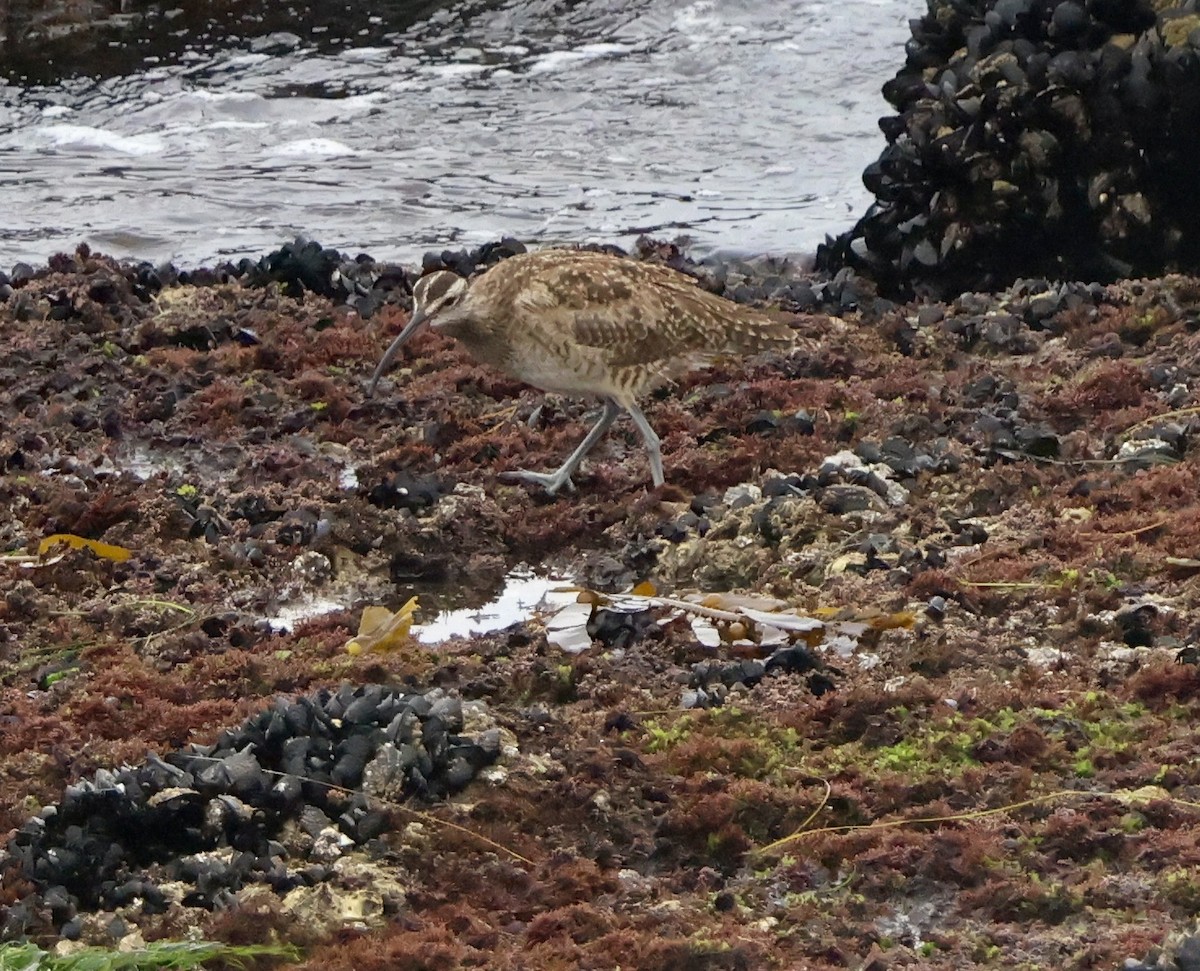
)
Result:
{"points": [[553, 481], [653, 448]]}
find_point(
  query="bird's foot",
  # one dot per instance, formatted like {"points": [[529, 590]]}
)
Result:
{"points": [[550, 481]]}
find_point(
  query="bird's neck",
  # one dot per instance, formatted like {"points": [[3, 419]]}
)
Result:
{"points": [[485, 341]]}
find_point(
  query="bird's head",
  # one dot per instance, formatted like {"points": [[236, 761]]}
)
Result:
{"points": [[432, 295]]}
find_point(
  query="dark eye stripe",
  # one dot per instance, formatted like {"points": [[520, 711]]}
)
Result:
{"points": [[430, 289]]}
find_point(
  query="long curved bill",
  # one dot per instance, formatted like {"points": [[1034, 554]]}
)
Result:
{"points": [[415, 323]]}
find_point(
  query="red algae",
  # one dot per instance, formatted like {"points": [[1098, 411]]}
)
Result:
{"points": [[1012, 782]]}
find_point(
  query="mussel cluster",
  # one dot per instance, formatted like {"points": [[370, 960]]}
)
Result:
{"points": [[306, 265], [271, 802], [1053, 138]]}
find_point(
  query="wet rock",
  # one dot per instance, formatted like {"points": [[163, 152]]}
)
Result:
{"points": [[1005, 332], [930, 314], [467, 263], [1180, 952], [305, 266], [278, 42], [709, 682], [376, 894], [1038, 439], [1144, 453], [1136, 622], [619, 629], [405, 491], [741, 496]]}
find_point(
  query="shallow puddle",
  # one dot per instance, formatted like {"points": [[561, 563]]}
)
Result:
{"points": [[287, 617], [523, 595]]}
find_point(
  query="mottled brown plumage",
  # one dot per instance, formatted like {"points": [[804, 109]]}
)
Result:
{"points": [[587, 324]]}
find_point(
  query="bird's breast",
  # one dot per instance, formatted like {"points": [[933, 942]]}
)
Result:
{"points": [[556, 363], [534, 351]]}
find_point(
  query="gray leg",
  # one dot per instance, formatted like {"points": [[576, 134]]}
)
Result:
{"points": [[652, 444], [553, 481]]}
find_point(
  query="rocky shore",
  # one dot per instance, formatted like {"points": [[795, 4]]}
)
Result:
{"points": [[969, 744]]}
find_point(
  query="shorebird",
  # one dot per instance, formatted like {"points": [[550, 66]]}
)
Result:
{"points": [[586, 324]]}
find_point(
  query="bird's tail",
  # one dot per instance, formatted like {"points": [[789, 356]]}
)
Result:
{"points": [[758, 333]]}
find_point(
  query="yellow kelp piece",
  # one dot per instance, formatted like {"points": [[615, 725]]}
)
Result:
{"points": [[382, 630]]}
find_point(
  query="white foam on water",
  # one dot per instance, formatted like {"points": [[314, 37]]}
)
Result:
{"points": [[230, 125], [360, 55], [217, 97], [313, 148], [555, 61], [452, 70], [87, 138]]}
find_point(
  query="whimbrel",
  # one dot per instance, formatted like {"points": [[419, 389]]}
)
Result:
{"points": [[586, 324]]}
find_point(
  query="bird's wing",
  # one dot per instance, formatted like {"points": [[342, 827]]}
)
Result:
{"points": [[675, 320], [635, 337], [639, 314]]}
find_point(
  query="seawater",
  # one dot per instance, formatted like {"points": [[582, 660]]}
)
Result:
{"points": [[744, 126]]}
